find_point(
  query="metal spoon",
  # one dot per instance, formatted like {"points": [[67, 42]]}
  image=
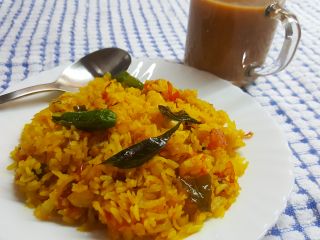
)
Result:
{"points": [[95, 64]]}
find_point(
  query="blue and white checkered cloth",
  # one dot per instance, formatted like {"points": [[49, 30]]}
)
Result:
{"points": [[39, 35]]}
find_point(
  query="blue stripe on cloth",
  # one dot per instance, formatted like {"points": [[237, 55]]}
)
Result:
{"points": [[98, 27], [72, 32], [18, 64], [124, 28], [16, 15], [302, 101], [149, 32], [316, 74], [110, 26], [85, 28], [13, 49], [136, 30], [44, 39], [182, 23], [162, 35], [291, 212], [25, 63], [173, 30], [313, 97], [7, 11], [295, 128], [59, 34], [183, 9]]}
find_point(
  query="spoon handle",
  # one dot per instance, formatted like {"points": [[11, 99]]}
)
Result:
{"points": [[29, 90]]}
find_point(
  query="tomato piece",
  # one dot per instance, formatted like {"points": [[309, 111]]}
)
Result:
{"points": [[172, 96], [217, 139]]}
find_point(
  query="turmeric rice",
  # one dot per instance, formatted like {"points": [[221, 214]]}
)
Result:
{"points": [[58, 168]]}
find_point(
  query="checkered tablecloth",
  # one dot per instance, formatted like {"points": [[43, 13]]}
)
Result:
{"points": [[42, 34]]}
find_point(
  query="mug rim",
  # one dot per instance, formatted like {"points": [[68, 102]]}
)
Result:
{"points": [[243, 6]]}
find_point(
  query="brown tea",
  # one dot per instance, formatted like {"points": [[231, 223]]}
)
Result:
{"points": [[225, 36]]}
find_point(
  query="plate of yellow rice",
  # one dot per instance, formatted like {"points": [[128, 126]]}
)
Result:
{"points": [[226, 175]]}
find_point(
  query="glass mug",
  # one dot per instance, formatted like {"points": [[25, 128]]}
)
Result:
{"points": [[231, 38]]}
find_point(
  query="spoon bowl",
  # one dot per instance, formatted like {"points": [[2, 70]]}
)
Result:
{"points": [[78, 74]]}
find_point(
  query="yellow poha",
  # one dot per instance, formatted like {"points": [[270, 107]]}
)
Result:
{"points": [[58, 169]]}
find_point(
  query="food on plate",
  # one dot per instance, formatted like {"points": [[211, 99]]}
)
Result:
{"points": [[148, 161], [141, 152]]}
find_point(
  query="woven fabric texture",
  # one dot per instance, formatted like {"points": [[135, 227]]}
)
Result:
{"points": [[39, 35]]}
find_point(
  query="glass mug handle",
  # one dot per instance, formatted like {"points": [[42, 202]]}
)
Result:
{"points": [[289, 47]]}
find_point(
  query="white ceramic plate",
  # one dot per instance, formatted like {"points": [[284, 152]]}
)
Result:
{"points": [[265, 185]]}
